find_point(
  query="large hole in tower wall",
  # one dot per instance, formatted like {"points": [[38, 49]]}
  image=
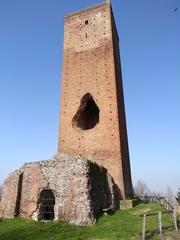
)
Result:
{"points": [[87, 115]]}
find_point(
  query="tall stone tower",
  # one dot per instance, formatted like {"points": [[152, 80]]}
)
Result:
{"points": [[92, 115]]}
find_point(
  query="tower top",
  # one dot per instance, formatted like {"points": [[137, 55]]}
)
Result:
{"points": [[88, 8]]}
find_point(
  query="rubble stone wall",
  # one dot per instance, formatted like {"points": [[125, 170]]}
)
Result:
{"points": [[82, 189], [9, 195]]}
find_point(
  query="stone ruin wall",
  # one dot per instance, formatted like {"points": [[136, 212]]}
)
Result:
{"points": [[9, 195], [81, 188]]}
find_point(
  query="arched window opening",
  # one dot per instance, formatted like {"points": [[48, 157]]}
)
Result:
{"points": [[46, 205], [87, 115]]}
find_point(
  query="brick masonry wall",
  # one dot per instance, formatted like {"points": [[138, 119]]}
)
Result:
{"points": [[9, 195], [81, 189], [89, 67], [125, 159]]}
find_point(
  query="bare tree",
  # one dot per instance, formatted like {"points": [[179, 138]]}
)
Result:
{"points": [[141, 189], [169, 195], [157, 194], [178, 197], [1, 187]]}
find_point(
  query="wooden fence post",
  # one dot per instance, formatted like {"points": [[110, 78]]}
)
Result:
{"points": [[144, 227], [175, 220], [160, 225]]}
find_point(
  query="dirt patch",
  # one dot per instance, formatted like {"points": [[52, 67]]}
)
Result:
{"points": [[142, 211], [172, 236]]}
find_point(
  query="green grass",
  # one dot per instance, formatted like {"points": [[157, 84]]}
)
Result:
{"points": [[124, 224]]}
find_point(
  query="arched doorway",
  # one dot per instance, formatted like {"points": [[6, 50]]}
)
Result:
{"points": [[46, 205]]}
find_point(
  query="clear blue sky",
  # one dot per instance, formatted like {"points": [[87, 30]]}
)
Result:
{"points": [[31, 41]]}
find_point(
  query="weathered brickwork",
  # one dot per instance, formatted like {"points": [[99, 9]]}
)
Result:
{"points": [[9, 195], [91, 171], [81, 189], [95, 128]]}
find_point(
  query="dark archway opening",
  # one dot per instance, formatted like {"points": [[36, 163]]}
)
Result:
{"points": [[46, 205], [87, 115]]}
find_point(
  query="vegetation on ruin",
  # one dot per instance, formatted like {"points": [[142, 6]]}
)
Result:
{"points": [[124, 224]]}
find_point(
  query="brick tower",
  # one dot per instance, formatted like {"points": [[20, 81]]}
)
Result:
{"points": [[92, 115]]}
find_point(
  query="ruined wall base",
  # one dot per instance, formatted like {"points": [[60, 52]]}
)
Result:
{"points": [[81, 190]]}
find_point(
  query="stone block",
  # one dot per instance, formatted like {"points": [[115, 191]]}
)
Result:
{"points": [[127, 204]]}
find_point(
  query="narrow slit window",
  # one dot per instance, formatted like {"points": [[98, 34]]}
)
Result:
{"points": [[86, 35], [86, 22]]}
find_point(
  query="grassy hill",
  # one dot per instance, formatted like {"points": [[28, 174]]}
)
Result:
{"points": [[124, 224]]}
